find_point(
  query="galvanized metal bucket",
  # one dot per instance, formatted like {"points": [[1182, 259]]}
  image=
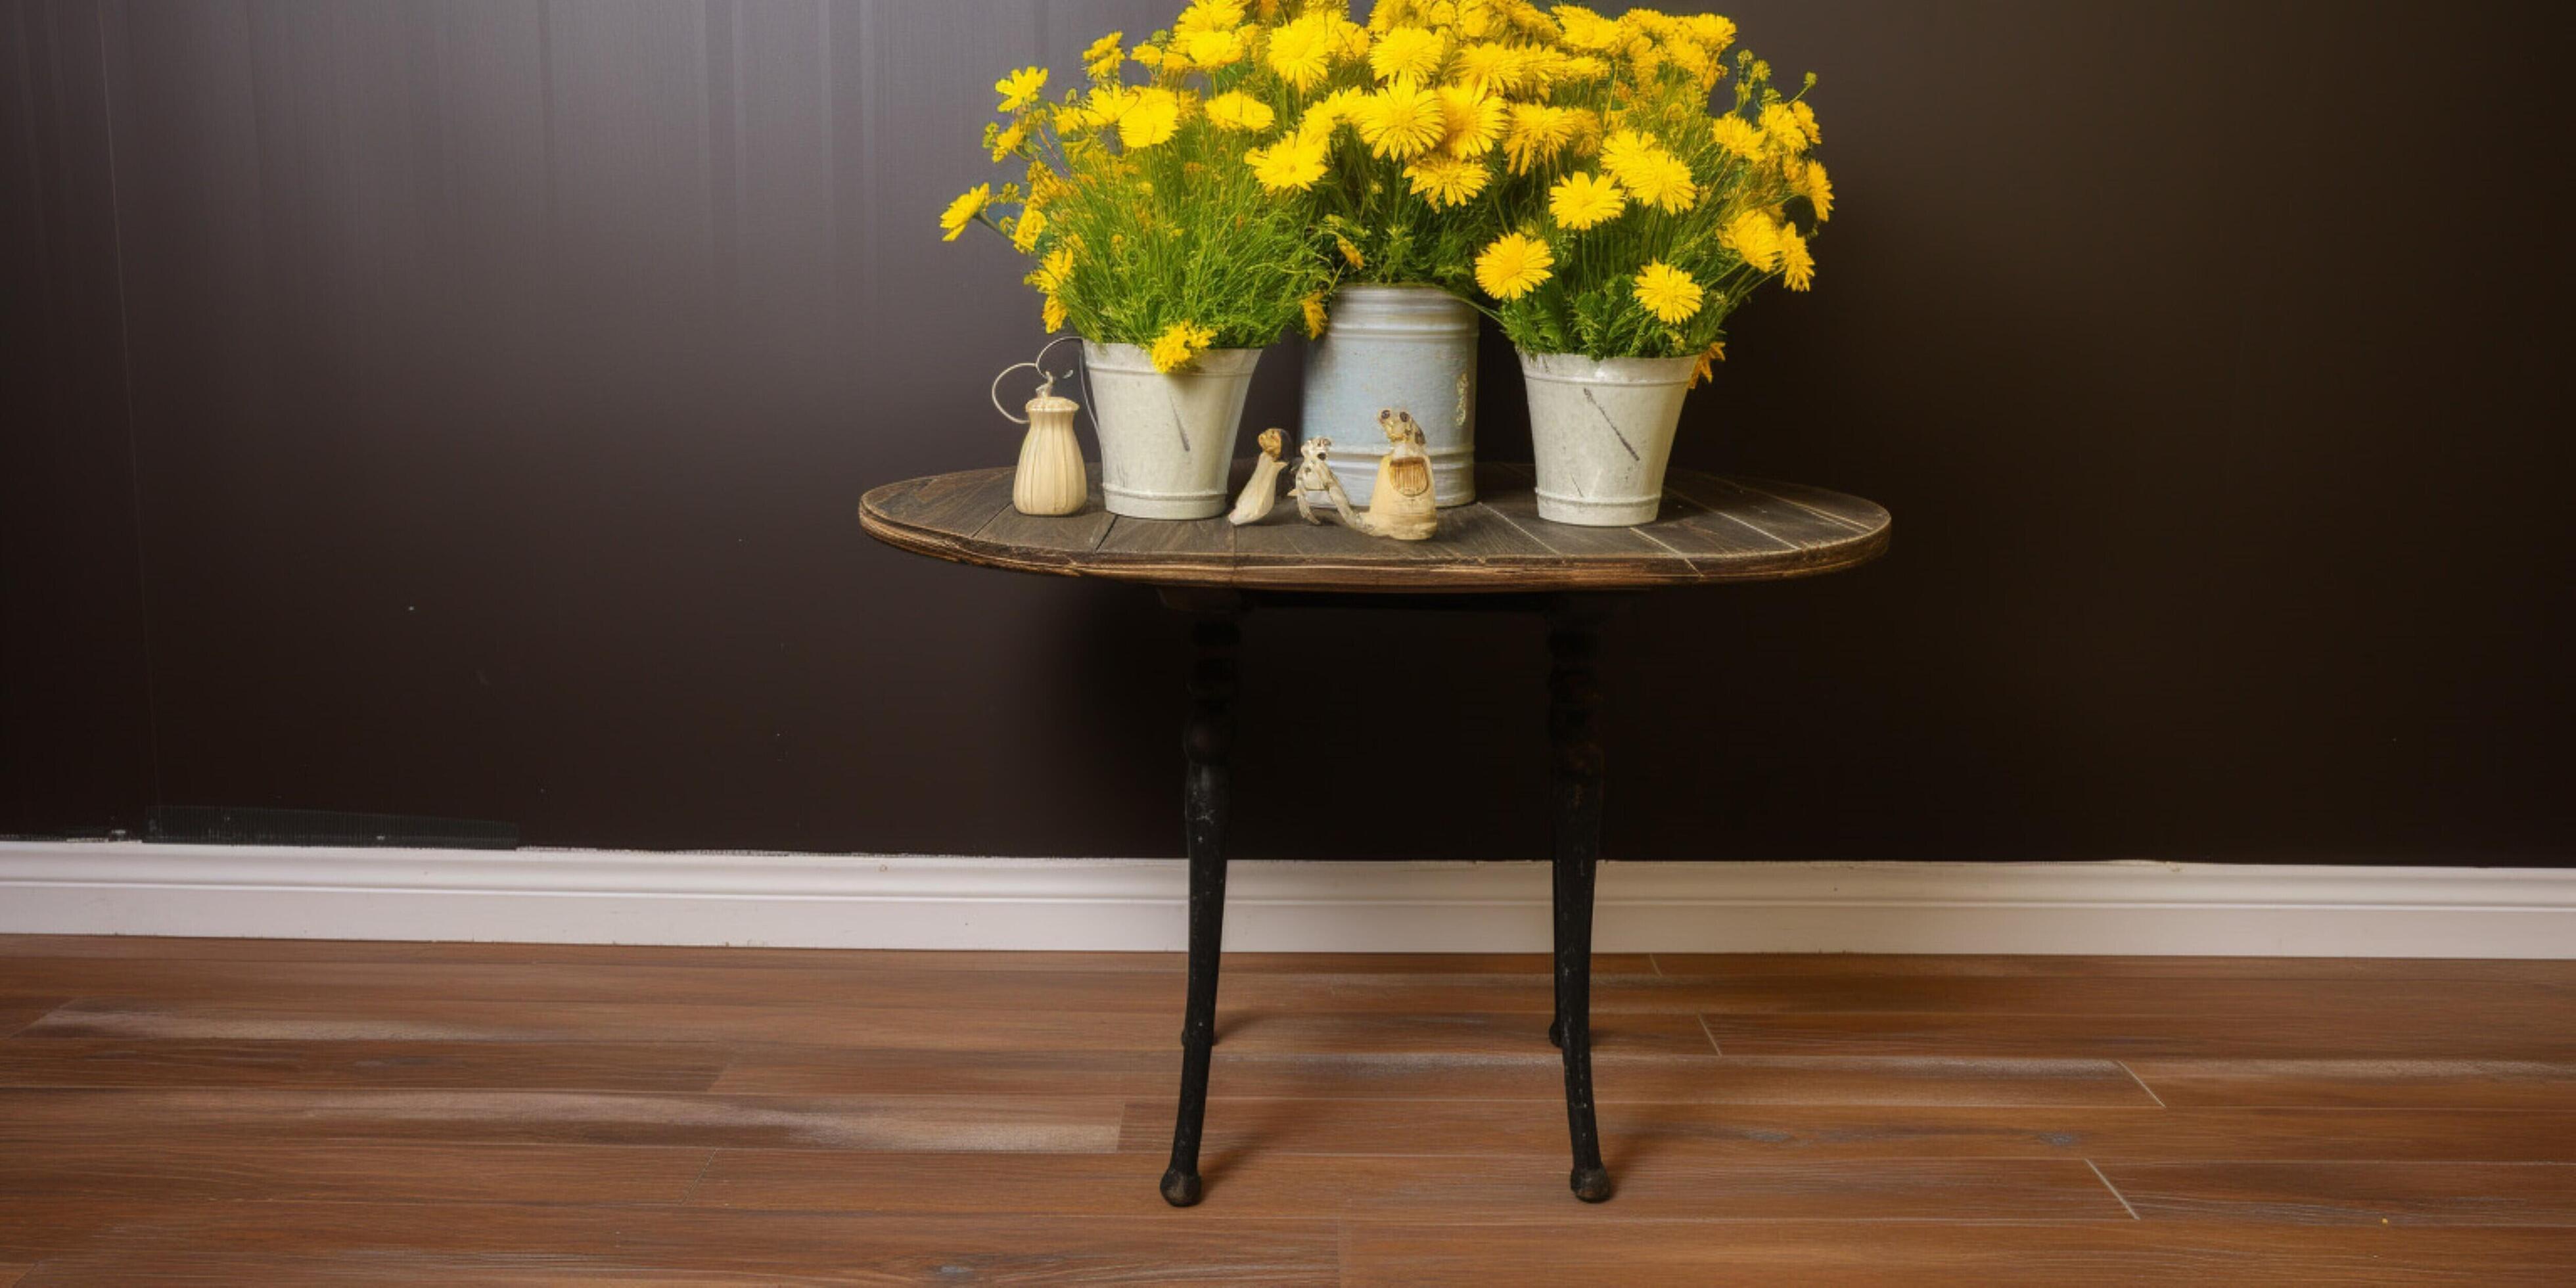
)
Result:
{"points": [[1602, 431], [1166, 440], [1405, 348]]}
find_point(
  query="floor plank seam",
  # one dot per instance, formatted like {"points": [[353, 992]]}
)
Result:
{"points": [[2142, 1083], [1712, 1036], [2115, 1190], [689, 1194]]}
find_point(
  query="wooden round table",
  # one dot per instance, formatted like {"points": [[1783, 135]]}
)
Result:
{"points": [[1494, 554]]}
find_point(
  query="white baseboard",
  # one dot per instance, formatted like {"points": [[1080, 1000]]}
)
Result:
{"points": [[593, 896]]}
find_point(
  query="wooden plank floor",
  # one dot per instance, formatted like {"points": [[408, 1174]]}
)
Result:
{"points": [[292, 1112]]}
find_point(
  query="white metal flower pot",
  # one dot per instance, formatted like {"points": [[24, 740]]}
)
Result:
{"points": [[1602, 430], [1166, 440], [1401, 348]]}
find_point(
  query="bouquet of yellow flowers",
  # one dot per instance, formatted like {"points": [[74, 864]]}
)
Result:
{"points": [[1146, 223], [1637, 217]]}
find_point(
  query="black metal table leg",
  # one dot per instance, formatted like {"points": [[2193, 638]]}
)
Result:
{"points": [[1206, 741], [1573, 695]]}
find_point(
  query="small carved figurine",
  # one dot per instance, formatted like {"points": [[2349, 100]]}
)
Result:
{"points": [[1262, 491], [1402, 506], [1313, 476]]}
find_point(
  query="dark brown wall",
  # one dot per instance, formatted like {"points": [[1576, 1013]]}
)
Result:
{"points": [[459, 409]]}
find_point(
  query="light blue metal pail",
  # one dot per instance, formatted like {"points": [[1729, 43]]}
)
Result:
{"points": [[1408, 348]]}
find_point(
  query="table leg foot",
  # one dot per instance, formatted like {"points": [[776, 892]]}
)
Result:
{"points": [[1183, 1189], [1591, 1184]]}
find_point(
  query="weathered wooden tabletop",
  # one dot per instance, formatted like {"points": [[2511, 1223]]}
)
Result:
{"points": [[1712, 529]]}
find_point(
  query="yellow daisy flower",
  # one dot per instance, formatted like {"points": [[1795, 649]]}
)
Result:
{"points": [[1817, 189], [1153, 117], [1447, 181], [1537, 133], [1474, 120], [962, 211], [1401, 121], [1051, 273], [1737, 135], [1668, 293], [1209, 15], [1313, 305], [1052, 313], [1513, 266], [1102, 61], [1494, 67], [1625, 154], [1024, 234], [1350, 252], [1408, 51], [1292, 164], [1209, 50], [1585, 29], [1781, 131], [1179, 345], [1583, 200], [1663, 181], [1797, 267], [1236, 110], [1302, 52], [1021, 88], [1754, 237]]}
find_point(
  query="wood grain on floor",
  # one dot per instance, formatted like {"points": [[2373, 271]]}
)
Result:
{"points": [[309, 1112]]}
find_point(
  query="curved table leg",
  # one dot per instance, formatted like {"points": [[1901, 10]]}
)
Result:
{"points": [[1206, 741], [1573, 695]]}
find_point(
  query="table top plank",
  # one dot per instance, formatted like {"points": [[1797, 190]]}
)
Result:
{"points": [[1712, 529]]}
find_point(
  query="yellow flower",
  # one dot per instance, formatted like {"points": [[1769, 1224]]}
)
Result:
{"points": [[1024, 234], [1473, 120], [1585, 29], [1179, 345], [1663, 180], [962, 211], [1021, 88], [1781, 131], [1339, 107], [1154, 116], [1807, 123], [1754, 237], [1401, 121], [1668, 293], [1493, 67], [1209, 15], [1210, 50], [1051, 273], [1583, 199], [1007, 141], [1236, 110], [1708, 359], [1513, 266], [1448, 181], [1314, 308], [1052, 313], [1625, 152], [1408, 51], [1350, 253], [1737, 136], [1797, 267], [1291, 164], [1102, 61], [1538, 132], [1816, 188], [1302, 52], [1711, 30]]}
